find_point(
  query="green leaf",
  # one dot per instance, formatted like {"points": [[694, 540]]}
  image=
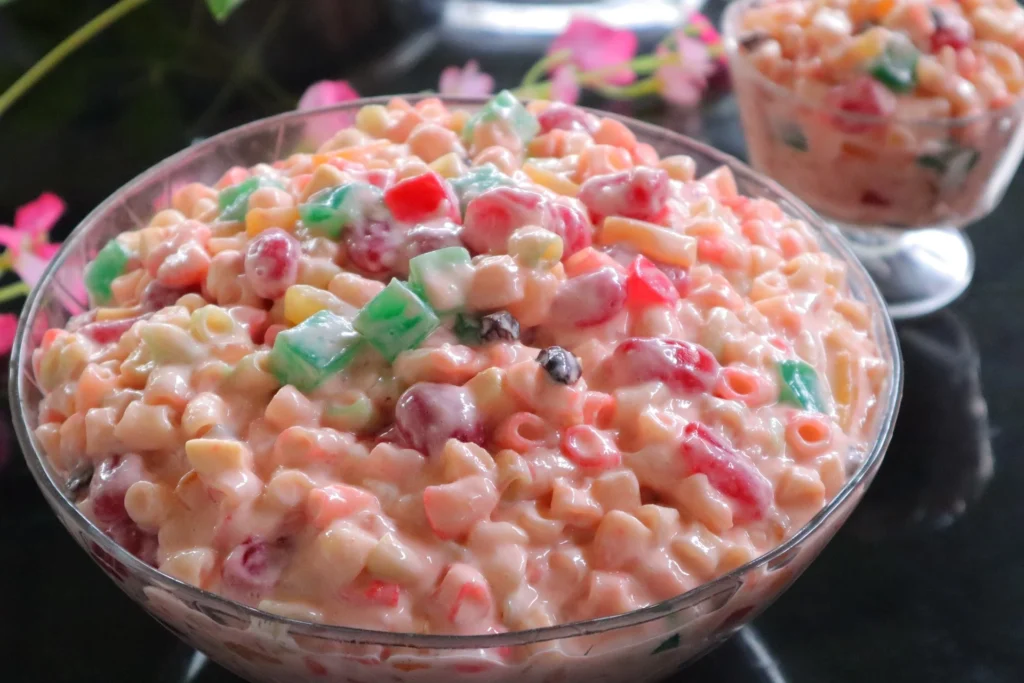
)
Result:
{"points": [[220, 9]]}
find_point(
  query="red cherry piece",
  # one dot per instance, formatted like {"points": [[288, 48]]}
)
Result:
{"points": [[639, 193], [572, 224], [420, 198], [272, 263], [562, 116], [373, 246], [429, 414], [591, 298], [727, 470], [253, 567], [110, 483], [647, 285], [682, 365], [495, 214], [157, 295], [863, 96], [382, 593], [109, 331], [950, 29]]}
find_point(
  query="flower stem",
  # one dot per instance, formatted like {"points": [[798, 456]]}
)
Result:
{"points": [[537, 71], [64, 48], [646, 86], [13, 291]]}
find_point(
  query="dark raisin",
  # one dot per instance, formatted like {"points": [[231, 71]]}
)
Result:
{"points": [[79, 479], [753, 40], [501, 325], [872, 198], [561, 366]]}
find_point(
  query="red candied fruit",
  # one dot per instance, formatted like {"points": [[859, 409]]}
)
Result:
{"points": [[572, 224], [253, 567], [680, 364], [372, 247], [647, 285], [950, 29], [591, 298], [639, 193], [728, 471], [864, 97], [495, 214], [561, 116], [272, 263], [428, 414], [421, 198]]}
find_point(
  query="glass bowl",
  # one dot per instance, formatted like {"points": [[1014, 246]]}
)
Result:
{"points": [[643, 645], [899, 188]]}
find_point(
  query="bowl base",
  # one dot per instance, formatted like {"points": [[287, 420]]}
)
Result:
{"points": [[917, 271]]}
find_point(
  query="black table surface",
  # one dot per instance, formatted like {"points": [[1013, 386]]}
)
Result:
{"points": [[926, 581]]}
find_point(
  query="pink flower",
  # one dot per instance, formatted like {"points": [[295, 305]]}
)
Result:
{"points": [[682, 81], [326, 94], [469, 81], [27, 243], [564, 87], [594, 45], [700, 27], [8, 326]]}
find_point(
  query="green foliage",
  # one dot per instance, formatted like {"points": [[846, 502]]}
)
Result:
{"points": [[220, 9]]}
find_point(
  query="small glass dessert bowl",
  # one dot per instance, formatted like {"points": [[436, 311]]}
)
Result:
{"points": [[899, 122]]}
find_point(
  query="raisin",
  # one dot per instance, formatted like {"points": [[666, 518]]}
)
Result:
{"points": [[561, 366], [79, 479], [501, 325]]}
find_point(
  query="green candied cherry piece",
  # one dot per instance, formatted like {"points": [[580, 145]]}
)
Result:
{"points": [[952, 163], [467, 329], [504, 106], [792, 135], [307, 354], [478, 180], [233, 201], [441, 277], [332, 209], [896, 68], [800, 385], [396, 320], [108, 264]]}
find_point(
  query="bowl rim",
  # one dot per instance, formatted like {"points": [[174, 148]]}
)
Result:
{"points": [[728, 583], [738, 62]]}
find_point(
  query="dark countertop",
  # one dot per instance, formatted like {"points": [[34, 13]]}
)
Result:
{"points": [[923, 584]]}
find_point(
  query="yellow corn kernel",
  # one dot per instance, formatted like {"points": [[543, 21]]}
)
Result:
{"points": [[324, 176], [258, 220], [373, 119], [302, 301], [450, 165], [552, 181], [653, 241]]}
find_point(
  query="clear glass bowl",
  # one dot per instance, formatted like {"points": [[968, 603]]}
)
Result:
{"points": [[643, 645], [899, 188]]}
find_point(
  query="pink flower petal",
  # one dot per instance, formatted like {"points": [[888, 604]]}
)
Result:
{"points": [[325, 94], [11, 239], [46, 250], [30, 267], [595, 46], [8, 328], [682, 82], [564, 87], [468, 81], [40, 215]]}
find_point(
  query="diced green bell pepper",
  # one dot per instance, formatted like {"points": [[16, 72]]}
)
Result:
{"points": [[233, 201], [800, 386], [108, 264], [441, 277], [504, 106], [332, 209], [307, 354], [478, 180], [396, 320], [896, 68]]}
